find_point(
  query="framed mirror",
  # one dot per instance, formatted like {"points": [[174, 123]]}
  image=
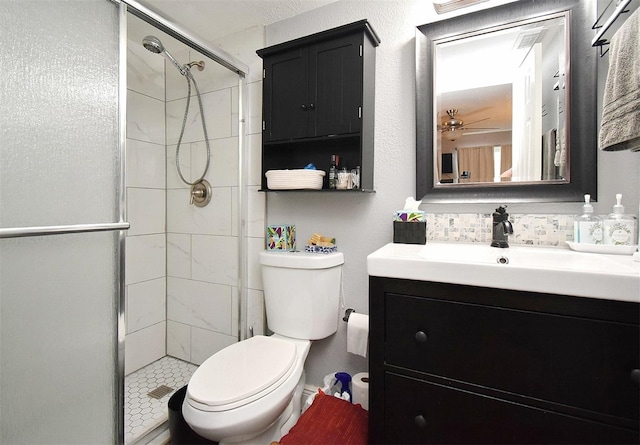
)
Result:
{"points": [[506, 104]]}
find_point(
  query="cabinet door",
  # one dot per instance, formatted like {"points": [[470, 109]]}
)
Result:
{"points": [[336, 82], [286, 100]]}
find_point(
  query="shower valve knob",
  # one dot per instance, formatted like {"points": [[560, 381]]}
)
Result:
{"points": [[200, 193], [196, 194]]}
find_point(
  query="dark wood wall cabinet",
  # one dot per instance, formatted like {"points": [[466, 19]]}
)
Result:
{"points": [[318, 100], [456, 364]]}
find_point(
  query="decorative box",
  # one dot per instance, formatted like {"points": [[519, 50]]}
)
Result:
{"points": [[281, 237], [410, 232]]}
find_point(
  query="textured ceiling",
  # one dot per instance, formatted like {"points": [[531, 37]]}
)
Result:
{"points": [[213, 19]]}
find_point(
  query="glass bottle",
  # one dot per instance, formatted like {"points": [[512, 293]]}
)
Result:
{"points": [[333, 171]]}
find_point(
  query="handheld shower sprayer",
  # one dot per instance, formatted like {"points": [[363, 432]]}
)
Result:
{"points": [[200, 188], [154, 45]]}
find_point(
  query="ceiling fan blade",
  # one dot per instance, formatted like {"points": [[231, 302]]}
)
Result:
{"points": [[479, 120], [481, 128], [478, 110]]}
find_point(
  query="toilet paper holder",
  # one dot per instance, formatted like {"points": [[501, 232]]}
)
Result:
{"points": [[347, 314]]}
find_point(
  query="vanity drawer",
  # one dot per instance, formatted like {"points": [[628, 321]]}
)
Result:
{"points": [[572, 361], [419, 412]]}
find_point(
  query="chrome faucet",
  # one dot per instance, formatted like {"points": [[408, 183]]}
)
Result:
{"points": [[502, 227]]}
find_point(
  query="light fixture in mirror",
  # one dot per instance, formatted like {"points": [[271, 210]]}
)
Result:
{"points": [[506, 104]]}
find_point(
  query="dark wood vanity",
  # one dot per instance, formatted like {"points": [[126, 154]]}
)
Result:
{"points": [[463, 364]]}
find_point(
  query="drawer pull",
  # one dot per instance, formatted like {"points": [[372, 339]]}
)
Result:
{"points": [[635, 376], [420, 421], [421, 337]]}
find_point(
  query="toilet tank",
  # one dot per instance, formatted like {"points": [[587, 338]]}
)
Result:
{"points": [[302, 293]]}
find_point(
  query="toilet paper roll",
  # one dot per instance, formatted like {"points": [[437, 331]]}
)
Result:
{"points": [[358, 334], [360, 389]]}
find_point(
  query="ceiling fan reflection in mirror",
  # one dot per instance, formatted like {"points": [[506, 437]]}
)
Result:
{"points": [[453, 128]]}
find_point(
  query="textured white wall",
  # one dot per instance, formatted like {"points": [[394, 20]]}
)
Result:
{"points": [[362, 222]]}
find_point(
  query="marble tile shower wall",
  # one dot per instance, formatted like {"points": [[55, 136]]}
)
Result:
{"points": [[202, 242], [145, 261], [182, 261], [537, 230]]}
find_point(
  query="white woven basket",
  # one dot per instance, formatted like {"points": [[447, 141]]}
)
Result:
{"points": [[298, 179]]}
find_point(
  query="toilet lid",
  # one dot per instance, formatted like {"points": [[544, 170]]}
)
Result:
{"points": [[242, 370]]}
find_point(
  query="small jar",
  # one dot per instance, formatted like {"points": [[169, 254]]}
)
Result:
{"points": [[355, 177]]}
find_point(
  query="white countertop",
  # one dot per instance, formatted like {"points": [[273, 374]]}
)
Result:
{"points": [[554, 270]]}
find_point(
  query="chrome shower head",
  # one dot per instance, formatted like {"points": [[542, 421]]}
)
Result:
{"points": [[154, 45]]}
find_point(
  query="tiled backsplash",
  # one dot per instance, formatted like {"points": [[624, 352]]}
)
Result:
{"points": [[536, 230]]}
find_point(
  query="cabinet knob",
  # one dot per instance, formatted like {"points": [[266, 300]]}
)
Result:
{"points": [[312, 106], [635, 376], [304, 107], [421, 337], [420, 421]]}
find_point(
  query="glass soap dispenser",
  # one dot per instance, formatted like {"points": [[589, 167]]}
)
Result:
{"points": [[587, 228], [619, 229]]}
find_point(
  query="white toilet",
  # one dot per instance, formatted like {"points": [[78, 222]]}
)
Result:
{"points": [[250, 392]]}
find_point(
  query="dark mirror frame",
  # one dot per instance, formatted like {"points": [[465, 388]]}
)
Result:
{"points": [[581, 139]]}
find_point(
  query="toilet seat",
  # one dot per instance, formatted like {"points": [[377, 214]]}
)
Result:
{"points": [[241, 373]]}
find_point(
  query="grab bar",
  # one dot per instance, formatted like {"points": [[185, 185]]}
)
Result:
{"points": [[18, 232]]}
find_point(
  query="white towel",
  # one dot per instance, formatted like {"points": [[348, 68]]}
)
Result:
{"points": [[549, 154], [620, 126]]}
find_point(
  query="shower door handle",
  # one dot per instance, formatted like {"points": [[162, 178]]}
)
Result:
{"points": [[18, 232]]}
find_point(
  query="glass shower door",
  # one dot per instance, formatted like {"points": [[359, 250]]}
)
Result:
{"points": [[60, 222]]}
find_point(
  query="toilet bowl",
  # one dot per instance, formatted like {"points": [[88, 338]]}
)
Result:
{"points": [[250, 392], [251, 400]]}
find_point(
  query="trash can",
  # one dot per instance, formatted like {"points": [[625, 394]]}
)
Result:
{"points": [[181, 432]]}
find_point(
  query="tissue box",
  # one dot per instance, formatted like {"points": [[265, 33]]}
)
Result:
{"points": [[409, 215], [410, 232], [281, 237]]}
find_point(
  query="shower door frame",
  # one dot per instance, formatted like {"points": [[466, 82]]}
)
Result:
{"points": [[157, 20], [121, 226]]}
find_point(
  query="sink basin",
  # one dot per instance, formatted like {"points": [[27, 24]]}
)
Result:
{"points": [[462, 253], [554, 270], [519, 256]]}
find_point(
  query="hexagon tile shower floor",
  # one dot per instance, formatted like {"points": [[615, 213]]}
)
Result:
{"points": [[147, 392]]}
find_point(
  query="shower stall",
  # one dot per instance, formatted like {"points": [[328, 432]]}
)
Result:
{"points": [[110, 258], [183, 260]]}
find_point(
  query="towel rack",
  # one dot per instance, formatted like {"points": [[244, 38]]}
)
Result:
{"points": [[599, 40]]}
